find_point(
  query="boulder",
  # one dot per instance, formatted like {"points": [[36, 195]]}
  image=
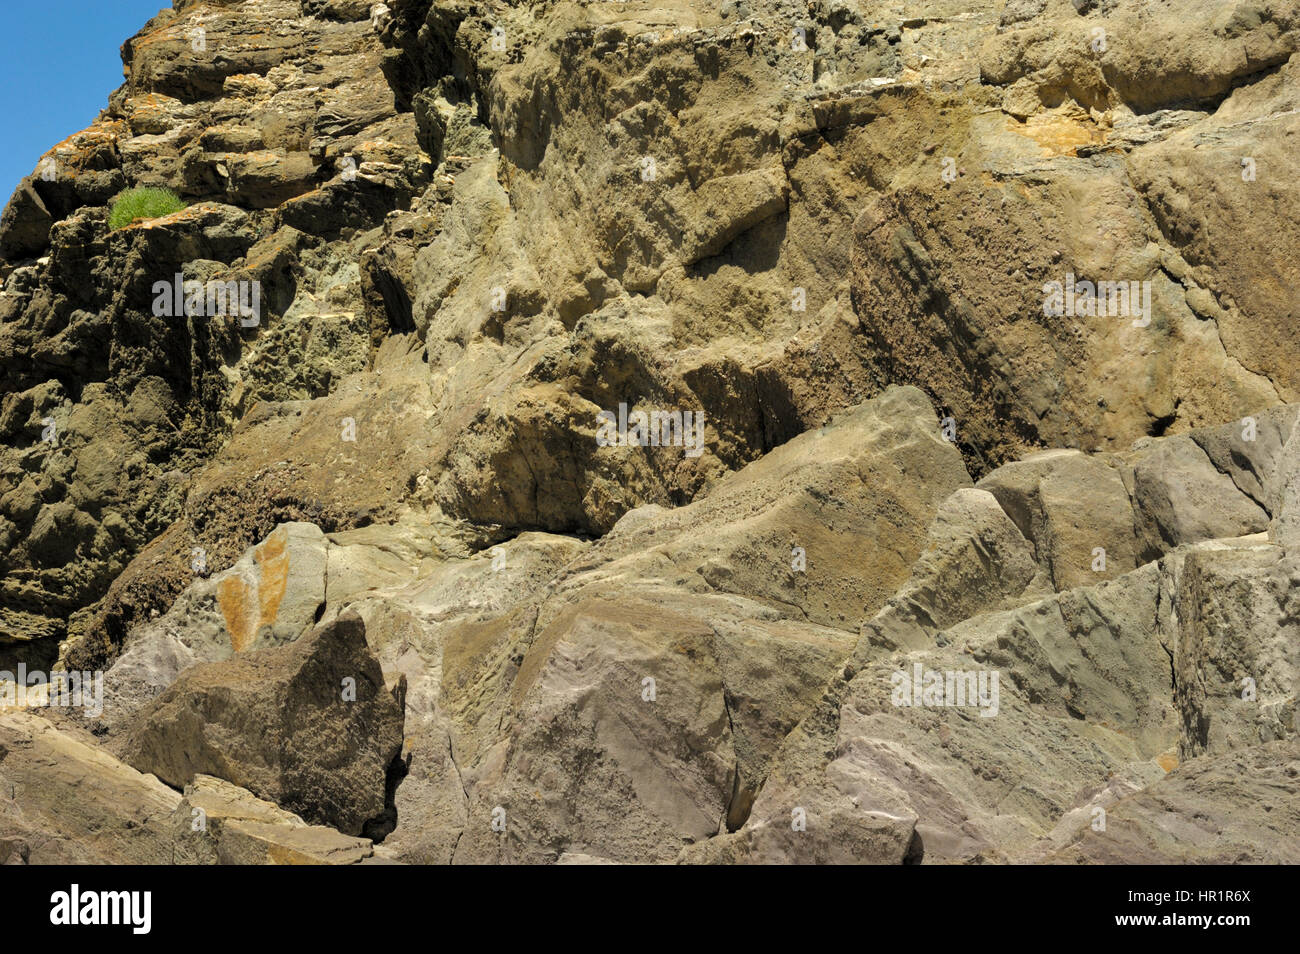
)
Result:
{"points": [[272, 595], [1180, 497], [310, 727], [975, 560], [1069, 504]]}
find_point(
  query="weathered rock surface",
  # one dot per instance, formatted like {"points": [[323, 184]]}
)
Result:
{"points": [[66, 801], [975, 560], [1179, 819], [983, 313], [1237, 660], [311, 727], [220, 823], [269, 597]]}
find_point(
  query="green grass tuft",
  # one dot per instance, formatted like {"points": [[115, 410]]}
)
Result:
{"points": [[144, 202]]}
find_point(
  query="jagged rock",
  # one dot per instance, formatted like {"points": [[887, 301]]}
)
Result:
{"points": [[975, 560], [834, 232], [169, 57], [1180, 497], [1237, 659], [25, 225], [751, 666], [1068, 505], [310, 727], [220, 823], [1252, 453], [361, 202], [1182, 819]]}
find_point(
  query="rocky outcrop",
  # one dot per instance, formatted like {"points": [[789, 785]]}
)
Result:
{"points": [[1169, 823], [220, 823], [856, 433], [67, 801]]}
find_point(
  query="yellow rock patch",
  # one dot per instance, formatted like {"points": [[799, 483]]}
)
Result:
{"points": [[1058, 134]]}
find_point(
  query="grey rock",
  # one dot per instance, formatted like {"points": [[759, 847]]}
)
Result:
{"points": [[1180, 497]]}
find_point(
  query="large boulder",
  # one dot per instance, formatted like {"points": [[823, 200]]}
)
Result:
{"points": [[272, 595], [310, 727]]}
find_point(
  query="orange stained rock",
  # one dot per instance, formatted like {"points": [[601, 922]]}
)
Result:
{"points": [[170, 31], [248, 605], [81, 143], [1058, 135], [180, 215]]}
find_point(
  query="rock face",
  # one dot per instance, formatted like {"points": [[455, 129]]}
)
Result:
{"points": [[669, 433], [70, 802], [1168, 822]]}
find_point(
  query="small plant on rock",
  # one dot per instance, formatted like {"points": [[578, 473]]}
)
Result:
{"points": [[143, 202]]}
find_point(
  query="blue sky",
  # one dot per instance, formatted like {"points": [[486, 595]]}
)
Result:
{"points": [[59, 61]]}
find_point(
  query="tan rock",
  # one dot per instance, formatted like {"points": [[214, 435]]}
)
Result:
{"points": [[1069, 505], [65, 801], [220, 823]]}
